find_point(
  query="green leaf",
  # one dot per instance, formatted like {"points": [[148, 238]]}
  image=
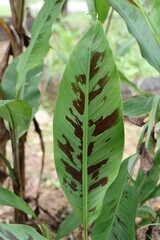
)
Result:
{"points": [[151, 10], [139, 27], [31, 94], [68, 225], [88, 125], [147, 183], [152, 119], [18, 232], [118, 214], [39, 45], [17, 112], [146, 212], [8, 198], [99, 7], [137, 106]]}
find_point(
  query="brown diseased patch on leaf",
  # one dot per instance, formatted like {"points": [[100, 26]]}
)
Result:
{"points": [[77, 124], [81, 78], [133, 3], [90, 148], [97, 56], [73, 186], [66, 148], [92, 210], [73, 172], [103, 124], [79, 102], [95, 168], [101, 83], [100, 183]]}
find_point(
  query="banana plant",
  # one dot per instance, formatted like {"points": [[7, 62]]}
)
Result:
{"points": [[88, 125]]}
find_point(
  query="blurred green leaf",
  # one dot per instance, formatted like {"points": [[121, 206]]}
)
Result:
{"points": [[99, 7], [138, 26], [68, 225], [146, 212], [18, 232], [138, 106], [8, 198]]}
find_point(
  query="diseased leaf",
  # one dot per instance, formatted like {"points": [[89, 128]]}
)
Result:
{"points": [[88, 125], [8, 198], [39, 45], [139, 27], [18, 232]]}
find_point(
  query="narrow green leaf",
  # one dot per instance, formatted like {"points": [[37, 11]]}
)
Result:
{"points": [[8, 198], [19, 232], [152, 119], [137, 106], [146, 212], [88, 125], [68, 225], [138, 26], [117, 217], [147, 183], [39, 45], [99, 7]]}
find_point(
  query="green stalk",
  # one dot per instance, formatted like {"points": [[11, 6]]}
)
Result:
{"points": [[85, 162]]}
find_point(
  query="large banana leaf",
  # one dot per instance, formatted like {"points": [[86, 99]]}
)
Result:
{"points": [[18, 232], [119, 210], [98, 9], [39, 45], [140, 28], [88, 125]]}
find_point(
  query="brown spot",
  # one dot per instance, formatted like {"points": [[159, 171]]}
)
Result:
{"points": [[133, 3], [81, 78], [101, 183], [73, 172], [49, 17], [120, 221], [64, 181], [77, 125], [66, 148], [125, 193], [95, 58], [97, 166], [73, 186], [101, 83], [92, 210], [104, 99], [95, 175], [108, 140], [58, 1], [79, 102], [90, 148], [102, 125], [115, 236]]}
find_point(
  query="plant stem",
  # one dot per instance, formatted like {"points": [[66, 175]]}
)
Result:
{"points": [[109, 21]]}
